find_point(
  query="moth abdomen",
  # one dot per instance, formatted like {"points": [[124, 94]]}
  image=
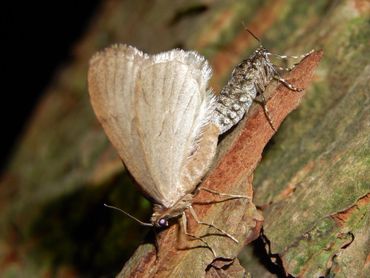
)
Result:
{"points": [[232, 105]]}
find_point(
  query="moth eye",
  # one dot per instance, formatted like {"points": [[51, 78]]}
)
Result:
{"points": [[163, 222]]}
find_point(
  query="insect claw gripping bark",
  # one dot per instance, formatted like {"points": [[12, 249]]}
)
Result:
{"points": [[249, 79]]}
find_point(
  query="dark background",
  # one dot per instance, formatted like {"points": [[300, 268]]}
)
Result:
{"points": [[36, 40]]}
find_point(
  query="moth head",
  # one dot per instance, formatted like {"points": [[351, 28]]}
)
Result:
{"points": [[159, 219], [161, 222], [261, 51]]}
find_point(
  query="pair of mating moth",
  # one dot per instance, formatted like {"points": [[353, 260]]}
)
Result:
{"points": [[164, 122]]}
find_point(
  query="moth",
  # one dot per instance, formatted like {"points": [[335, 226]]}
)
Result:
{"points": [[248, 81], [164, 121]]}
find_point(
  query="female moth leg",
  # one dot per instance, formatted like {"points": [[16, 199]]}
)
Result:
{"points": [[285, 57], [287, 68], [263, 100], [302, 56], [184, 224], [192, 211], [286, 83], [263, 103]]}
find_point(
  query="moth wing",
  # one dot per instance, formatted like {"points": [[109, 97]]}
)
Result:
{"points": [[153, 109], [112, 79]]}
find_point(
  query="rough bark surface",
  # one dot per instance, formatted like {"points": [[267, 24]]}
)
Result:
{"points": [[312, 185]]}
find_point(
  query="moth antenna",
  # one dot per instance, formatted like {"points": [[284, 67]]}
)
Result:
{"points": [[250, 32], [129, 215], [254, 36]]}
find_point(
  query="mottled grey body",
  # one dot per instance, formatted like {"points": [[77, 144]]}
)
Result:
{"points": [[248, 80]]}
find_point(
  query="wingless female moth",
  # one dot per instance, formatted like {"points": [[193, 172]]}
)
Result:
{"points": [[164, 122]]}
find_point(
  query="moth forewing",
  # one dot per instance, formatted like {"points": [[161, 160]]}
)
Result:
{"points": [[111, 77]]}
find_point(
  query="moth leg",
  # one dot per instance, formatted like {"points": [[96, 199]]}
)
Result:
{"points": [[286, 83], [287, 68], [284, 57], [230, 196], [263, 103], [192, 211], [184, 224]]}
